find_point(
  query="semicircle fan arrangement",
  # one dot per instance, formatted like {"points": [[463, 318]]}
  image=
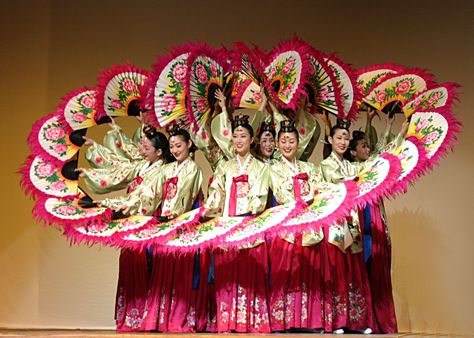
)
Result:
{"points": [[179, 89]]}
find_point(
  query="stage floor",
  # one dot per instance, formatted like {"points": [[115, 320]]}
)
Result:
{"points": [[106, 333]]}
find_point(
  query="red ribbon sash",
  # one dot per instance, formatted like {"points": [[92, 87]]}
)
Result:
{"points": [[233, 193]]}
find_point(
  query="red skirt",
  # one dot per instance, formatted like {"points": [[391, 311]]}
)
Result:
{"points": [[132, 290], [296, 286], [241, 282]]}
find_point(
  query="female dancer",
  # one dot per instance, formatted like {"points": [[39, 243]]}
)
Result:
{"points": [[240, 187], [141, 198], [347, 299], [294, 260], [171, 303], [377, 243]]}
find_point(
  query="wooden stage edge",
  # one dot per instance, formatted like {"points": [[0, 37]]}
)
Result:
{"points": [[110, 333]]}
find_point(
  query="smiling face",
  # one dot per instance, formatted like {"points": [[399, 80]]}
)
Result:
{"points": [[241, 140], [150, 153], [179, 148], [340, 141], [266, 144], [361, 152], [288, 144]]}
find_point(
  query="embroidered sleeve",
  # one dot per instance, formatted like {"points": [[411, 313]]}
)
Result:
{"points": [[216, 196]]}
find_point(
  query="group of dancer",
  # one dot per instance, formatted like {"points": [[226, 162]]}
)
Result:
{"points": [[313, 281], [231, 260]]}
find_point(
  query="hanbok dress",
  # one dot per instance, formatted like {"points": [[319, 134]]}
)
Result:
{"points": [[172, 301], [347, 301], [117, 165], [295, 261], [241, 276]]}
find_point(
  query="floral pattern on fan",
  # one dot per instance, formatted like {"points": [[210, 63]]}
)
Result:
{"points": [[430, 99], [256, 226], [113, 227], [408, 156], [54, 139], [285, 72], [373, 176], [397, 88], [368, 80], [205, 232], [205, 74], [69, 209], [80, 110], [120, 91], [430, 129], [48, 178], [169, 93]]}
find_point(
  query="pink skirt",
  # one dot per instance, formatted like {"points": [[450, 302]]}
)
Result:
{"points": [[296, 285], [132, 291], [241, 282]]}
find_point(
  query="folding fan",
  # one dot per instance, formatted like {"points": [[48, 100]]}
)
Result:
{"points": [[396, 89], [157, 234], [332, 202], [368, 78], [206, 75], [436, 131], [286, 73], [166, 86], [118, 91], [345, 77], [440, 96], [323, 82], [79, 108], [204, 235], [49, 138]]}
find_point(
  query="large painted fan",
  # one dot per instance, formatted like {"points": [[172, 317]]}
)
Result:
{"points": [[286, 73], [108, 231], [370, 77], [204, 235], [322, 81], [346, 79], [256, 227], [332, 202], [377, 177], [436, 130], [206, 75], [247, 67], [164, 90], [157, 234], [49, 138], [440, 96], [118, 91], [41, 177], [397, 89], [67, 213]]}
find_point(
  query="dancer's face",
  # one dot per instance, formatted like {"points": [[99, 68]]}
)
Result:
{"points": [[150, 153], [266, 144], [179, 148], [361, 152], [288, 144], [340, 141], [241, 140]]}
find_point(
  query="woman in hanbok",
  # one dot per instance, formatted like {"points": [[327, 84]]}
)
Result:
{"points": [[240, 188], [347, 299], [377, 242], [143, 197], [295, 261], [172, 304]]}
